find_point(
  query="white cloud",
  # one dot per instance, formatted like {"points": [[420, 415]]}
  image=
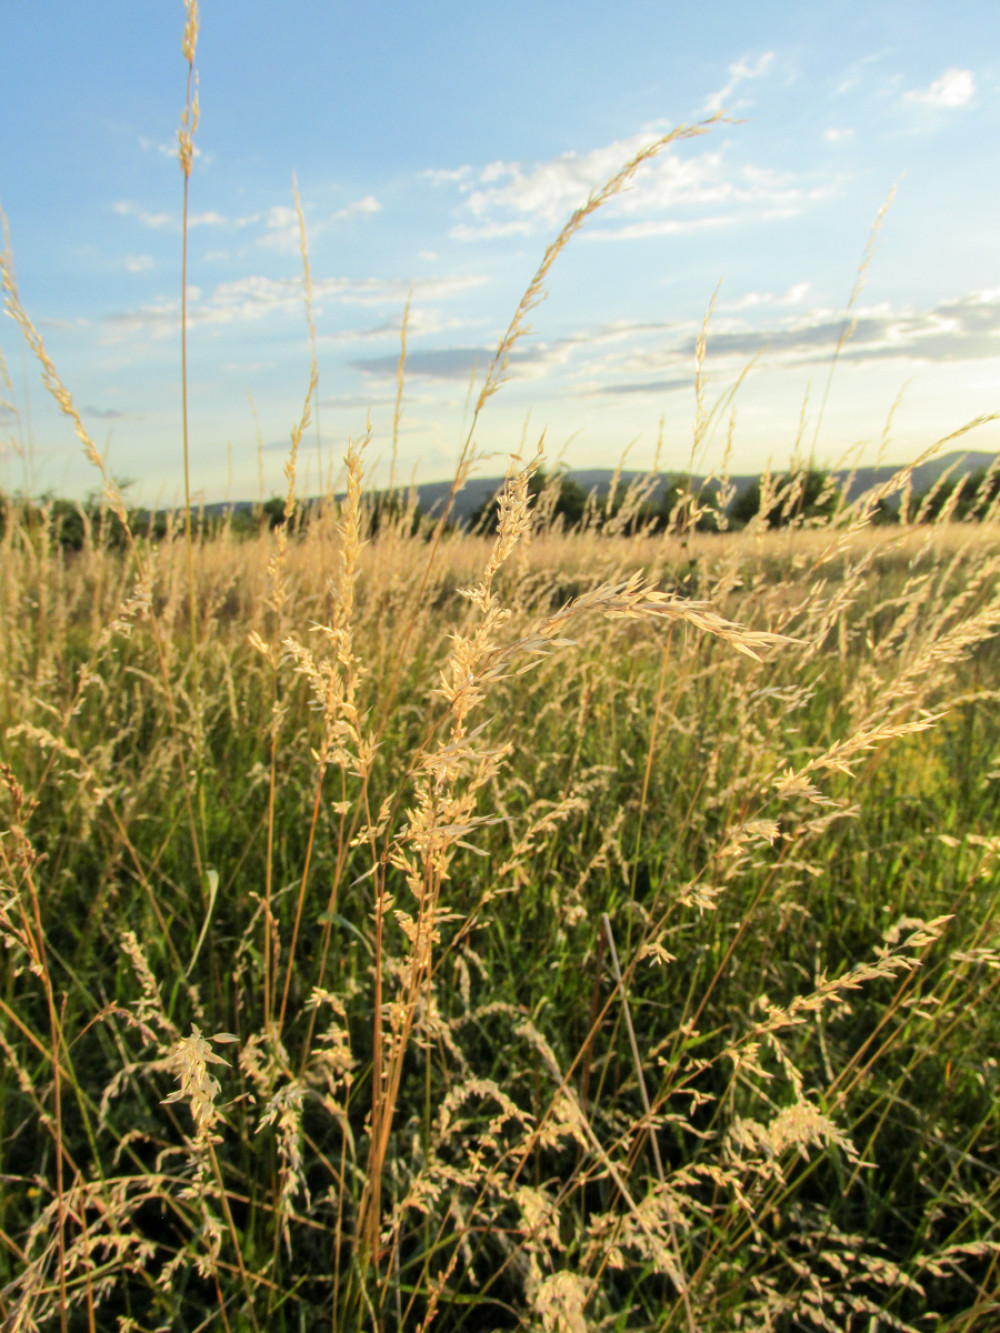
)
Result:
{"points": [[490, 231], [511, 200], [636, 231], [168, 149], [751, 300], [422, 322], [64, 325], [443, 176], [210, 219], [282, 223], [246, 300], [127, 208], [282, 233], [855, 72], [374, 291], [795, 294], [369, 204], [139, 263], [837, 135], [740, 71], [964, 329], [633, 358], [955, 87], [546, 194]]}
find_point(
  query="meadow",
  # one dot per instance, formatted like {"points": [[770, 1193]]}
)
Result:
{"points": [[552, 928]]}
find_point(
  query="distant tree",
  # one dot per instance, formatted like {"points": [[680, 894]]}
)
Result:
{"points": [[975, 493], [569, 506], [390, 508], [983, 489], [273, 511], [814, 497], [884, 514], [68, 524], [677, 501], [746, 505]]}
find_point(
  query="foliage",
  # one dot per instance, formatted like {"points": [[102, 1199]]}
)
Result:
{"points": [[776, 844], [964, 499], [569, 507], [799, 496]]}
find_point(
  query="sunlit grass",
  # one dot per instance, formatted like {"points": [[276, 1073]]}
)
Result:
{"points": [[555, 929]]}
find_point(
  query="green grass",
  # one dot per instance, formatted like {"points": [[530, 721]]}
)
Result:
{"points": [[882, 1209], [315, 899]]}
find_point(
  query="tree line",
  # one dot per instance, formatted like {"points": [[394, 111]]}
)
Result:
{"points": [[810, 495]]}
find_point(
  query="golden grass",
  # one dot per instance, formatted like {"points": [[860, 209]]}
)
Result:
{"points": [[562, 930]]}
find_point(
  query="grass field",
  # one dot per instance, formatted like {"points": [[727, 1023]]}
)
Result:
{"points": [[345, 828], [553, 930]]}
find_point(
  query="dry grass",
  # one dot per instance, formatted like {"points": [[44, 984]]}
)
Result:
{"points": [[427, 1106], [558, 930]]}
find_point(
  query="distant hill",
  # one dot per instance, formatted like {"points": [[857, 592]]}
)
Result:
{"points": [[433, 494], [864, 479]]}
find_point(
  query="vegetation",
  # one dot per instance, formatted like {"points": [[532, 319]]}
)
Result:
{"points": [[971, 498], [776, 802], [553, 929], [655, 505]]}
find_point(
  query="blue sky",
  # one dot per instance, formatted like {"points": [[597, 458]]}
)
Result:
{"points": [[440, 147]]}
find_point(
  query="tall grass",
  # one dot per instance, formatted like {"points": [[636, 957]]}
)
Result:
{"points": [[559, 930]]}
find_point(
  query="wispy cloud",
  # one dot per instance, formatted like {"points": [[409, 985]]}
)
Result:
{"points": [[739, 72], [359, 208], [350, 402], [169, 148], [955, 87], [128, 209], [53, 325], [165, 148], [255, 297], [756, 300], [634, 231], [966, 328], [446, 176], [378, 291], [139, 263], [446, 363], [836, 134], [107, 413], [667, 384], [855, 72], [282, 223], [282, 234], [512, 200], [422, 322], [530, 360]]}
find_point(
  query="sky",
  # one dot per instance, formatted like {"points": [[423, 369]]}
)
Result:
{"points": [[438, 149]]}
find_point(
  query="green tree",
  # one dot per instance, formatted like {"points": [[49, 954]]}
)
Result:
{"points": [[569, 505], [976, 492], [676, 502], [797, 495], [388, 508]]}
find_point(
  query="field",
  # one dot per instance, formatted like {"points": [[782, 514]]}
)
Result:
{"points": [[549, 928], [651, 987]]}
